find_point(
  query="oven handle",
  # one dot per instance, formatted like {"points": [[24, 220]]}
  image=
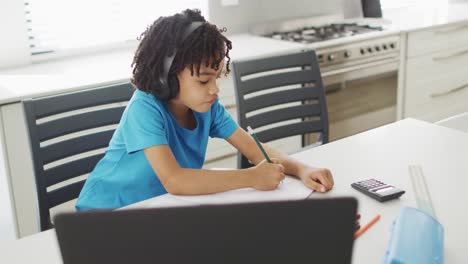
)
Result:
{"points": [[359, 67], [456, 89]]}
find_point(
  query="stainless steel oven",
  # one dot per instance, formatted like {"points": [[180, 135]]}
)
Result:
{"points": [[362, 91], [359, 64]]}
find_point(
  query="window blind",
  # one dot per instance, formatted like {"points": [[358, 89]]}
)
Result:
{"points": [[58, 25]]}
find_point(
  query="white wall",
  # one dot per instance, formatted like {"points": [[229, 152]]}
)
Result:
{"points": [[7, 219], [352, 8], [14, 47], [236, 18], [248, 13]]}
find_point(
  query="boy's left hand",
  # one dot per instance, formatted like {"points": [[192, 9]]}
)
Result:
{"points": [[318, 179]]}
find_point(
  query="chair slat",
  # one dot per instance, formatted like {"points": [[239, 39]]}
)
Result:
{"points": [[277, 80], [48, 106], [278, 115], [290, 130], [76, 146], [79, 122], [65, 193], [274, 63], [71, 169], [281, 97]]}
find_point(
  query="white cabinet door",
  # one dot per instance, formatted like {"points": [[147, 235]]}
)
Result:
{"points": [[436, 72], [437, 85], [435, 39]]}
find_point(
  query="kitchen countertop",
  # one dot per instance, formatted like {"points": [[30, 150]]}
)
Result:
{"points": [[71, 74], [77, 73], [422, 17]]}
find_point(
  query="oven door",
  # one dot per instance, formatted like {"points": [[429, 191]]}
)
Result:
{"points": [[361, 97]]}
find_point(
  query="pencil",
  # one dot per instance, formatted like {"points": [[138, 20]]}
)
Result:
{"points": [[367, 226], [258, 143]]}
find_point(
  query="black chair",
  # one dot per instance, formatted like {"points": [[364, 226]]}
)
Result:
{"points": [[49, 121], [298, 77]]}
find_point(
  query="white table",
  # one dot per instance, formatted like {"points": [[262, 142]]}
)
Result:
{"points": [[383, 153]]}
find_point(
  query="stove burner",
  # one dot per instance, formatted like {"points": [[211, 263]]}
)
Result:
{"points": [[326, 32]]}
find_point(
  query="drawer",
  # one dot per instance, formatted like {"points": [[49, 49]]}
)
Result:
{"points": [[432, 113], [432, 66], [218, 148], [229, 159], [439, 96], [287, 145], [226, 90], [229, 162], [445, 37], [230, 105], [434, 84]]}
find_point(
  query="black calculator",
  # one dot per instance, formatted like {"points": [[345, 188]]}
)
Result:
{"points": [[378, 190]]}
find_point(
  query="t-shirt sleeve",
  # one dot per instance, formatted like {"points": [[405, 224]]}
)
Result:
{"points": [[143, 126], [222, 124]]}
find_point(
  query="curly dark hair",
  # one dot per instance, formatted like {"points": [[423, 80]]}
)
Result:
{"points": [[206, 45]]}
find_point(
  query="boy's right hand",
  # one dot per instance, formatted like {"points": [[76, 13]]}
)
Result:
{"points": [[267, 176]]}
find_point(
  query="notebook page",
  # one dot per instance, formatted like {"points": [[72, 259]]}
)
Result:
{"points": [[290, 189]]}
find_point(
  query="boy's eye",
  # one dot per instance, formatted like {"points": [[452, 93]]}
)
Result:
{"points": [[204, 82]]}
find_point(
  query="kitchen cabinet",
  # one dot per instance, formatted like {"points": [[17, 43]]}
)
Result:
{"points": [[446, 37], [435, 79]]}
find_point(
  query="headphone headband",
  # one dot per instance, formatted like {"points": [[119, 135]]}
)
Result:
{"points": [[169, 59]]}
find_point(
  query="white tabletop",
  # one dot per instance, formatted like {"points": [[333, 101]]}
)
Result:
{"points": [[382, 153], [385, 153], [38, 248]]}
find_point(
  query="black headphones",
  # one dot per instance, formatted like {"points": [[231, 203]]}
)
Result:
{"points": [[163, 79]]}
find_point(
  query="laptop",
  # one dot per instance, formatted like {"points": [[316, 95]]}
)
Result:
{"points": [[307, 231]]}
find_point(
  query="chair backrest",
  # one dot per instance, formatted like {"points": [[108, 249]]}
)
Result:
{"points": [[68, 135], [293, 84]]}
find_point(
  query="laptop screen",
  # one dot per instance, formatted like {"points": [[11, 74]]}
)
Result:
{"points": [[308, 231]]}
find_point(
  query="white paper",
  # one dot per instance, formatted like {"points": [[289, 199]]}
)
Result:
{"points": [[290, 189], [162, 201]]}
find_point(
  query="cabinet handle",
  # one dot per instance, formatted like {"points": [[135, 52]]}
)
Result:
{"points": [[433, 95], [456, 54], [448, 30]]}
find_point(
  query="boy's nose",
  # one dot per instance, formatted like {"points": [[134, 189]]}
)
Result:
{"points": [[214, 89]]}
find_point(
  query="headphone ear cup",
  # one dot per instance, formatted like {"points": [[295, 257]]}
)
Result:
{"points": [[163, 91], [173, 83]]}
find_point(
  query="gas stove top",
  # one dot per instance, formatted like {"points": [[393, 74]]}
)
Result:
{"points": [[325, 32], [339, 43]]}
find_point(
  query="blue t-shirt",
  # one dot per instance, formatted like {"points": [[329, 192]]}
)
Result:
{"points": [[124, 175]]}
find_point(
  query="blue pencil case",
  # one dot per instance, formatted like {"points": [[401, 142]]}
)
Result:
{"points": [[417, 237]]}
